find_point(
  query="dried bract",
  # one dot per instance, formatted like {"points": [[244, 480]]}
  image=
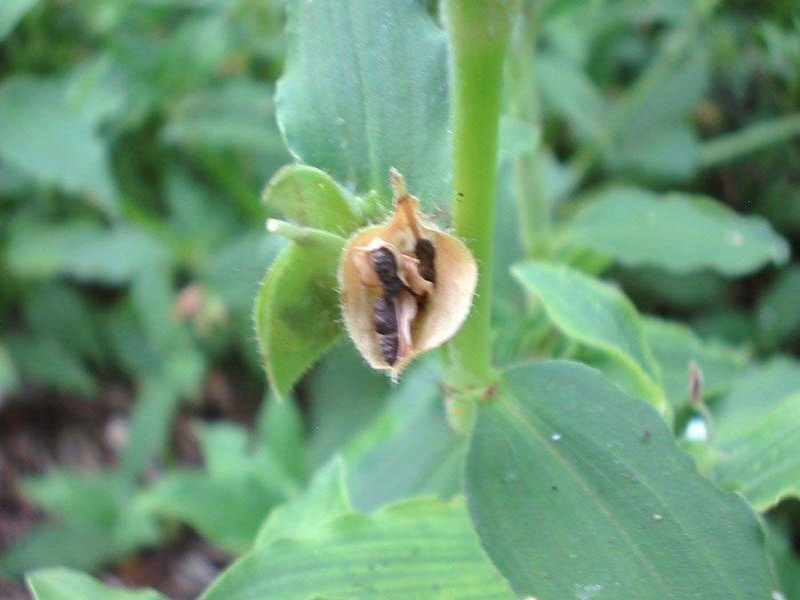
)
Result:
{"points": [[406, 286]]}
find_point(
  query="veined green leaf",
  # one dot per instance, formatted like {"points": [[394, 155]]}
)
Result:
{"points": [[64, 584], [578, 490], [301, 517], [297, 309], [365, 89], [597, 316], [413, 549], [778, 314], [676, 232], [310, 197], [753, 434]]}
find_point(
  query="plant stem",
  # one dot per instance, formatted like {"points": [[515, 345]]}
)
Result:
{"points": [[478, 32], [750, 139], [534, 209]]}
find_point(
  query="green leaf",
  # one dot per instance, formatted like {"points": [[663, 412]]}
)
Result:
{"points": [[150, 422], [569, 92], [63, 584], [779, 529], [49, 363], [777, 315], [280, 428], [96, 514], [754, 434], [344, 398], [676, 232], [310, 197], [325, 499], [365, 89], [45, 135], [235, 115], [297, 309], [83, 250], [413, 549], [60, 312], [762, 461], [578, 490], [598, 316], [657, 137], [228, 501], [11, 13], [675, 346], [409, 449]]}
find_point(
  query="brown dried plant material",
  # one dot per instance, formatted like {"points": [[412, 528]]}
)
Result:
{"points": [[406, 286]]}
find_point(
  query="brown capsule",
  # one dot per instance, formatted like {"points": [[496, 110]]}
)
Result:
{"points": [[438, 276]]}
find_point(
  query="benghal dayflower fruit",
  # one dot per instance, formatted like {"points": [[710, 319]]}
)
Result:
{"points": [[406, 286]]}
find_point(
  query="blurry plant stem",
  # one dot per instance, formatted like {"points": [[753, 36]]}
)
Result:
{"points": [[478, 32], [750, 139], [534, 209], [662, 66]]}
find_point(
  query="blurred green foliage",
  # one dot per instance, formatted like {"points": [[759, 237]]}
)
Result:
{"points": [[136, 137]]}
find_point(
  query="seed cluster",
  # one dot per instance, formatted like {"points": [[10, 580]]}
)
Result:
{"points": [[395, 341]]}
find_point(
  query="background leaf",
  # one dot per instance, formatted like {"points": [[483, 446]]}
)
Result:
{"points": [[675, 232], [674, 345], [11, 12], [578, 490], [416, 548], [596, 315], [753, 434], [365, 89], [55, 142], [63, 584]]}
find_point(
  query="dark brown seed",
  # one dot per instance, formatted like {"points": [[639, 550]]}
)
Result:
{"points": [[426, 254], [385, 266], [390, 346], [385, 316]]}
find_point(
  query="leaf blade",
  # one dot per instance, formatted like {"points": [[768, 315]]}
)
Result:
{"points": [[573, 488], [365, 89]]}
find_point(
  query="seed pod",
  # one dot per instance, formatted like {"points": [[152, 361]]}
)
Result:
{"points": [[437, 274]]}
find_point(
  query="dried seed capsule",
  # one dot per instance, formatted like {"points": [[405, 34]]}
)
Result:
{"points": [[426, 255], [385, 316], [385, 265], [390, 346], [426, 313]]}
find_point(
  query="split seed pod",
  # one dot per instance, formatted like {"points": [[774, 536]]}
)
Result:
{"points": [[406, 286]]}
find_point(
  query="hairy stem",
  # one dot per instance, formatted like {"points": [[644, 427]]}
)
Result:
{"points": [[478, 32]]}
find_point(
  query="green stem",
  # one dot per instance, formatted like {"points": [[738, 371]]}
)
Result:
{"points": [[750, 139], [534, 209], [478, 32]]}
